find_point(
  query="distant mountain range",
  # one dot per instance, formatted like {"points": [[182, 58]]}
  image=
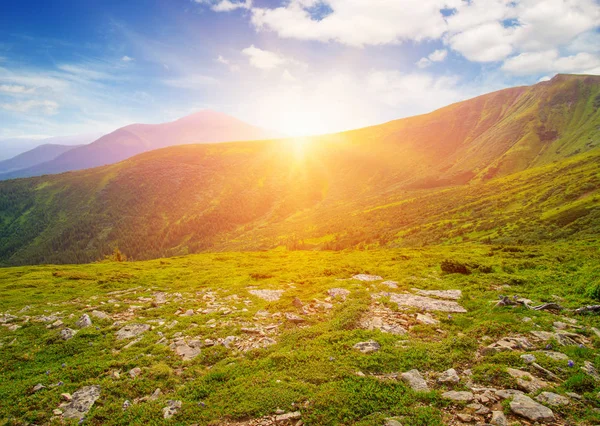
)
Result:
{"points": [[201, 127], [517, 165], [39, 154], [12, 147]]}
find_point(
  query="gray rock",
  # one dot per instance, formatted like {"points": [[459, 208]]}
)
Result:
{"points": [[268, 295], [465, 418], [553, 399], [414, 379], [459, 396], [528, 358], [426, 319], [171, 409], [390, 284], [126, 405], [293, 318], [508, 393], [525, 381], [38, 387], [132, 330], [392, 422], [507, 344], [367, 347], [295, 415], [187, 351], [426, 303], [83, 321], [367, 278], [556, 356], [589, 369], [441, 294], [338, 293], [449, 376], [498, 419], [134, 372], [526, 407], [81, 402], [67, 333]]}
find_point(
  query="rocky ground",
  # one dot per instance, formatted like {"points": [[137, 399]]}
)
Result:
{"points": [[170, 355]]}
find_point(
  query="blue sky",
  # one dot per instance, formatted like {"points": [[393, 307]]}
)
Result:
{"points": [[297, 66]]}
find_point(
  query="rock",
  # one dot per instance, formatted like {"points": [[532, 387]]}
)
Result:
{"points": [[81, 403], [297, 303], [441, 294], [525, 381], [66, 397], [155, 395], [188, 313], [553, 399], [575, 395], [67, 333], [390, 284], [507, 344], [160, 298], [528, 358], [449, 376], [38, 387], [459, 396], [228, 341], [556, 356], [391, 422], [57, 412], [466, 418], [295, 415], [365, 277], [426, 319], [171, 409], [338, 293], [83, 321], [134, 372], [526, 407], [414, 379], [498, 419], [426, 303], [268, 295], [367, 347], [55, 324], [385, 320], [185, 350], [132, 330], [293, 318], [508, 393], [126, 405], [589, 369], [596, 331]]}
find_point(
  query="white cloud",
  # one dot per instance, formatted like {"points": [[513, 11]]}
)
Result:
{"points": [[127, 59], [487, 42], [45, 107], [16, 89], [436, 56], [551, 61], [288, 77], [263, 59], [84, 72], [226, 5], [355, 22], [222, 60], [191, 81]]}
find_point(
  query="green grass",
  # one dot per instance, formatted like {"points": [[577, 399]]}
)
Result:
{"points": [[312, 368]]}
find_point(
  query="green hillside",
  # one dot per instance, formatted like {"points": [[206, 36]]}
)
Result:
{"points": [[518, 165]]}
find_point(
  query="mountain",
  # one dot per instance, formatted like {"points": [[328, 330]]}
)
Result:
{"points": [[12, 147], [517, 165], [201, 127], [39, 154]]}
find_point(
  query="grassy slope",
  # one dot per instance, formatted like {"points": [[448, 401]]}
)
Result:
{"points": [[315, 363], [265, 194]]}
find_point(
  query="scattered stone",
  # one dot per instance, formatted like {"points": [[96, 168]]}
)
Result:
{"points": [[426, 303], [187, 351], [57, 412], [525, 381], [66, 396], [126, 405], [385, 320], [553, 399], [574, 395], [297, 303], [426, 319], [449, 376], [296, 415], [441, 294], [171, 409], [338, 293], [466, 418], [365, 277], [526, 407], [11, 327], [498, 419], [67, 333], [508, 393], [459, 396], [589, 369], [134, 372], [293, 318], [55, 324], [528, 358], [83, 321], [414, 379], [160, 298], [596, 331], [38, 387], [392, 422], [507, 344], [268, 295], [390, 284], [81, 403], [367, 347], [155, 395], [132, 330], [188, 313], [556, 356]]}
